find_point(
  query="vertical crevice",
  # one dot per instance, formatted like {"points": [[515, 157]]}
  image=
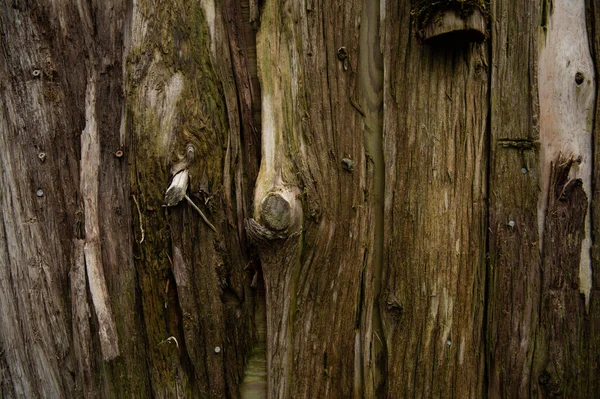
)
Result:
{"points": [[243, 22], [371, 85], [487, 273], [254, 384]]}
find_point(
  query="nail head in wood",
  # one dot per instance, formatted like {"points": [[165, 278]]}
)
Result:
{"points": [[190, 152]]}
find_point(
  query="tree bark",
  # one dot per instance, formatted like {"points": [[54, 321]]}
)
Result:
{"points": [[435, 122], [415, 219], [311, 204], [105, 291], [514, 259]]}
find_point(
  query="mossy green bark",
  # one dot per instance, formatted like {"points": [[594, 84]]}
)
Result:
{"points": [[175, 99]]}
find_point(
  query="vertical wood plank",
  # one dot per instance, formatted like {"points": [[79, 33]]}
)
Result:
{"points": [[514, 259], [435, 147]]}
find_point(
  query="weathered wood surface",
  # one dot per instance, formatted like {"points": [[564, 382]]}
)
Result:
{"points": [[312, 119], [180, 96], [421, 213], [52, 244], [560, 356], [435, 149], [514, 258], [103, 290], [567, 92], [593, 331]]}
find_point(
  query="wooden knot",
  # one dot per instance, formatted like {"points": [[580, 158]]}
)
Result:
{"points": [[276, 212], [279, 215]]}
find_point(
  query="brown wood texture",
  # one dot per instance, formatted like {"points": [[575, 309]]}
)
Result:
{"points": [[49, 331], [435, 148], [514, 259], [561, 347], [312, 121], [389, 192], [180, 93], [105, 291]]}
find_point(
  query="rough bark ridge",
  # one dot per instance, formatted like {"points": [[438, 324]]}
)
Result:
{"points": [[182, 113], [52, 54], [106, 291], [560, 355], [514, 259], [80, 124], [435, 123], [313, 156]]}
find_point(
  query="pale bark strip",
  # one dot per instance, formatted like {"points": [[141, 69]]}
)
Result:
{"points": [[276, 229], [567, 91], [90, 164]]}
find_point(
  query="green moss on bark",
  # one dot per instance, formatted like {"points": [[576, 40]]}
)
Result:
{"points": [[174, 98]]}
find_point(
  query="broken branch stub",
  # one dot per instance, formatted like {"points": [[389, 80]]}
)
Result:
{"points": [[450, 22], [176, 191], [276, 212], [448, 27]]}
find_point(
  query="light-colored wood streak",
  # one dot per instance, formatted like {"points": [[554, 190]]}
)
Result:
{"points": [[567, 91]]}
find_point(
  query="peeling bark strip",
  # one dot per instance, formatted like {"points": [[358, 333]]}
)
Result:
{"points": [[567, 92], [560, 360], [90, 164], [46, 338]]}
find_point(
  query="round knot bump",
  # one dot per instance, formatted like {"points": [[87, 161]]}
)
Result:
{"points": [[276, 212]]}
